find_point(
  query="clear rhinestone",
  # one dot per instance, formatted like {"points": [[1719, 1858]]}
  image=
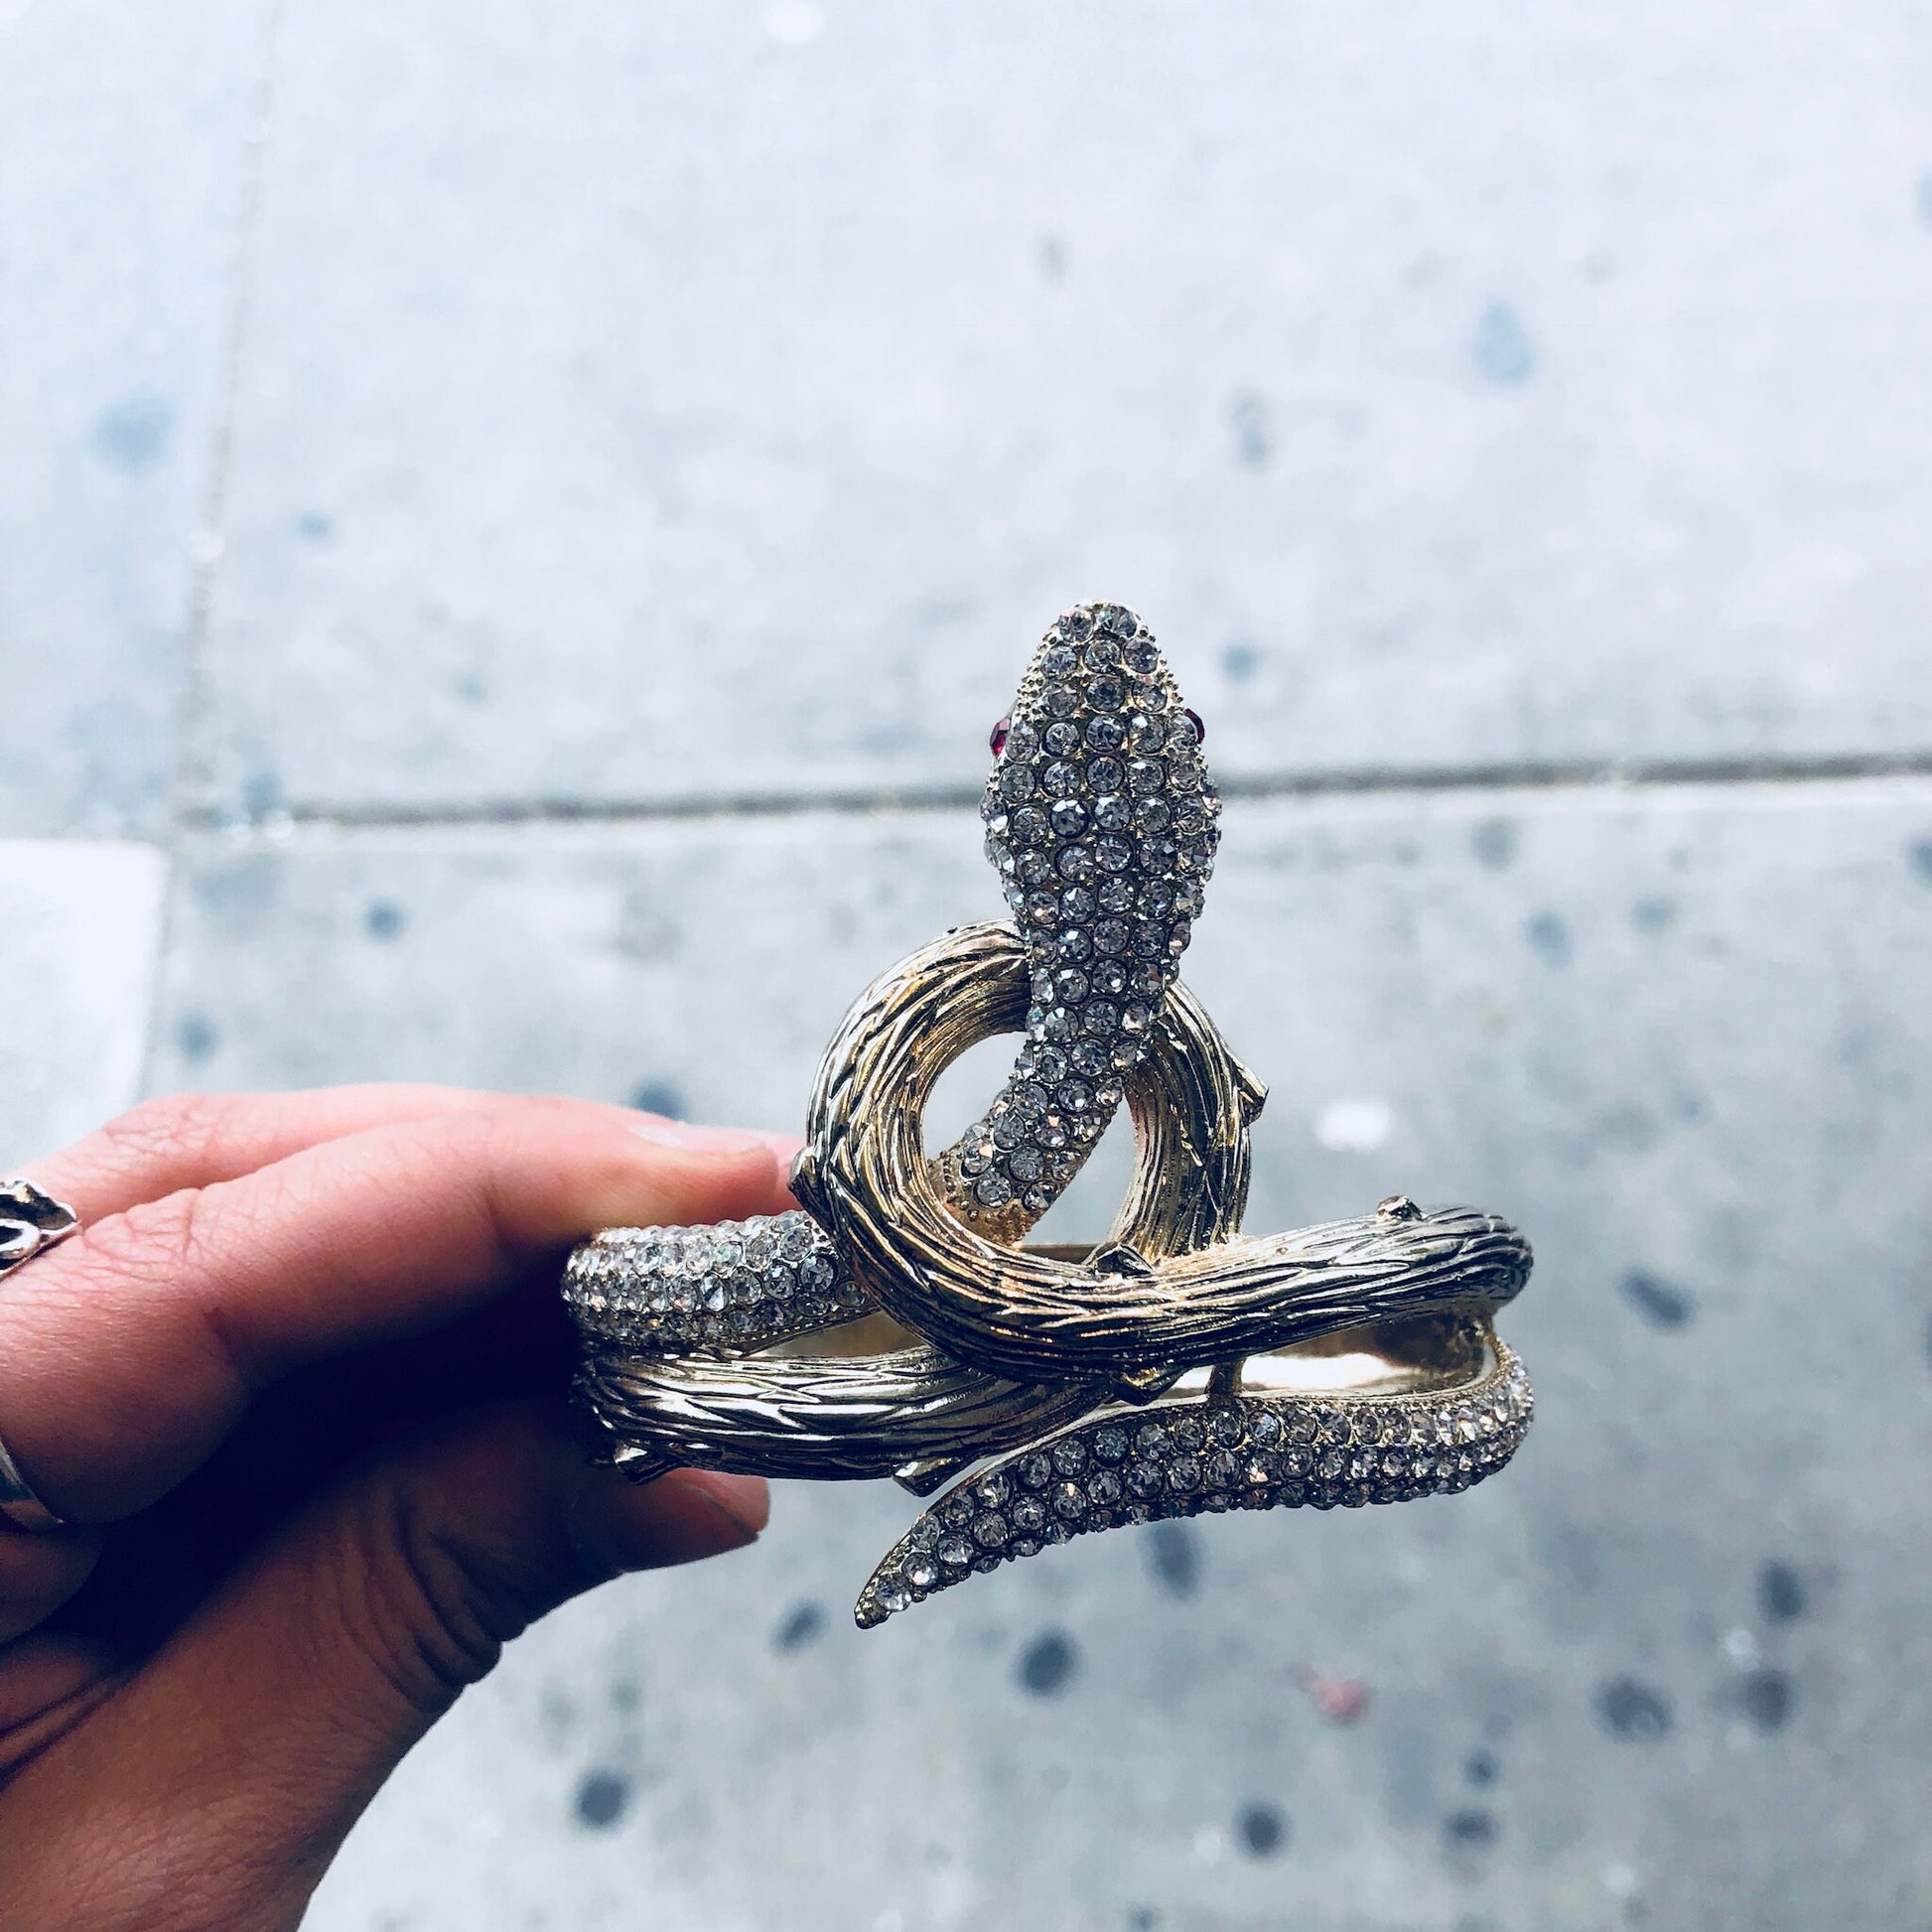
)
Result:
{"points": [[1061, 779], [921, 1572], [1141, 657], [1183, 1473], [1114, 854], [1190, 1433], [1110, 936], [1062, 736], [1016, 782], [1115, 895], [1105, 734], [1060, 701], [1069, 817], [989, 1531], [1069, 1500], [891, 1598], [1106, 692], [1074, 942], [1105, 775], [1077, 624], [1103, 1488], [1150, 817], [1076, 864], [1109, 1442], [955, 1552], [1057, 662], [1102, 1019], [1103, 654], [1112, 813], [1027, 825], [1037, 1472], [1029, 1514], [1151, 1441], [1024, 1165], [1076, 902], [1089, 1057], [993, 1189]]}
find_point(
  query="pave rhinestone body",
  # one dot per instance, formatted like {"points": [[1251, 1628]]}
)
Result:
{"points": [[1102, 824]]}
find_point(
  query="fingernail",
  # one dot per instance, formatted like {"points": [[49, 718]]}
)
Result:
{"points": [[693, 1139], [681, 1517]]}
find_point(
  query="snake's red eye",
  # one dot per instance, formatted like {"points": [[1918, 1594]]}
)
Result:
{"points": [[997, 737], [1193, 718]]}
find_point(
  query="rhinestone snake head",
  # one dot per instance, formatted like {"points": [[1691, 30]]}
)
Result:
{"points": [[1102, 823]]}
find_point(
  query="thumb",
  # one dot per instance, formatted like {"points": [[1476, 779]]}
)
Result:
{"points": [[215, 1788]]}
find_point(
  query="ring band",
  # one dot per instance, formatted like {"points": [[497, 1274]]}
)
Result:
{"points": [[31, 1222], [18, 1503]]}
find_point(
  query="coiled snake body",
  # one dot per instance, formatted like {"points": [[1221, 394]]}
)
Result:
{"points": [[1179, 1366]]}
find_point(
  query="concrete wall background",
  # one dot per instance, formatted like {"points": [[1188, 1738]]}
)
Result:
{"points": [[514, 523]]}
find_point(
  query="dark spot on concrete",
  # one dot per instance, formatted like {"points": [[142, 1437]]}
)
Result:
{"points": [[1548, 934], [1661, 1305], [1048, 1664], [1481, 1768], [1262, 1830], [602, 1799], [261, 792], [1239, 663], [1142, 1918], [660, 1097], [1472, 1827], [1926, 196], [195, 1035], [1502, 351], [1781, 1592], [1766, 1697], [471, 687], [1494, 843], [1173, 1555], [1052, 258], [1921, 855], [1248, 417], [1653, 915], [317, 527], [133, 433], [383, 918], [805, 1621], [626, 1696], [1628, 1708]]}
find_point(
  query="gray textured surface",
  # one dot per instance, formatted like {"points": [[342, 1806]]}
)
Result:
{"points": [[644, 404], [122, 130], [637, 408]]}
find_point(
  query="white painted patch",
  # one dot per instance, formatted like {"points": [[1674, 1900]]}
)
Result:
{"points": [[1355, 1126], [793, 23], [77, 954]]}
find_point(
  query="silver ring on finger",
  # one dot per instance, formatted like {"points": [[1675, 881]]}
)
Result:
{"points": [[31, 1222]]}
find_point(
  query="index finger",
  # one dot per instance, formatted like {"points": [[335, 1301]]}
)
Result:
{"points": [[128, 1352], [191, 1140]]}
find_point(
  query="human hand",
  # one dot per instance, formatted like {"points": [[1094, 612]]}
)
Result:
{"points": [[297, 1390]]}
